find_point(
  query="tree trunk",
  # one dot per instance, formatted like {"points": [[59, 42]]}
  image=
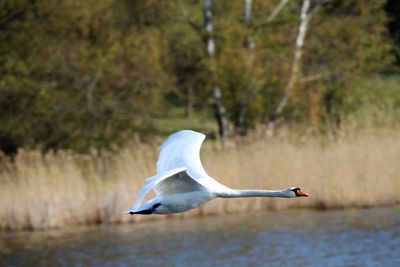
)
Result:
{"points": [[220, 111], [220, 115], [305, 16], [277, 10], [246, 21], [240, 127]]}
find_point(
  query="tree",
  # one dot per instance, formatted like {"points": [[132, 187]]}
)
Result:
{"points": [[220, 111], [76, 75]]}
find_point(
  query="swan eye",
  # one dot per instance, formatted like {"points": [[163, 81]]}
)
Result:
{"points": [[295, 190], [299, 193]]}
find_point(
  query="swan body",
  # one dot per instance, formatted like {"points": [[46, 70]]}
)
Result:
{"points": [[181, 183]]}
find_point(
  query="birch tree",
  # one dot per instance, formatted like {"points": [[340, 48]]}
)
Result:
{"points": [[277, 10], [220, 111], [306, 13], [253, 82]]}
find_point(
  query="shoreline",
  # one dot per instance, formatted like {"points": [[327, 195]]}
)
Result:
{"points": [[157, 218]]}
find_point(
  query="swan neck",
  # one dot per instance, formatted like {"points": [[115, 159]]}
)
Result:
{"points": [[233, 193]]}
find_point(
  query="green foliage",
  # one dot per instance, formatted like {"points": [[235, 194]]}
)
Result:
{"points": [[71, 79], [392, 8], [341, 52], [83, 74], [376, 100]]}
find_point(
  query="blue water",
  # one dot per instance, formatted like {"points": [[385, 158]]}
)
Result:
{"points": [[286, 238]]}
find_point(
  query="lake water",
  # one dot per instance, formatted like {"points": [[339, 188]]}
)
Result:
{"points": [[287, 238]]}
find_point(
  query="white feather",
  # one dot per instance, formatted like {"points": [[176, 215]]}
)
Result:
{"points": [[182, 183], [182, 149], [150, 183], [178, 183]]}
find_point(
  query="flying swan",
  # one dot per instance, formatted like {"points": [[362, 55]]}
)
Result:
{"points": [[182, 183]]}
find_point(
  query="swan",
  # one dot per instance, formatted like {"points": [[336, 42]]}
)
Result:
{"points": [[182, 183]]}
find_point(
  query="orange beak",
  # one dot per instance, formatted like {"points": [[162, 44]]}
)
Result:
{"points": [[301, 194]]}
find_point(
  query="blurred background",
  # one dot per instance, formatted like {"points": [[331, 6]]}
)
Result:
{"points": [[288, 92]]}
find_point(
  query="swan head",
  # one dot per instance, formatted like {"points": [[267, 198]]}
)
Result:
{"points": [[295, 192]]}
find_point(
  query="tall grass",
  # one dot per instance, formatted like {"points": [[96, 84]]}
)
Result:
{"points": [[350, 170]]}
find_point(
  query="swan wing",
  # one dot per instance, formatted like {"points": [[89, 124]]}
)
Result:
{"points": [[182, 149], [150, 184], [178, 183], [179, 168]]}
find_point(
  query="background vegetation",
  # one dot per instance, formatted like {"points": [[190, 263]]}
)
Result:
{"points": [[93, 74]]}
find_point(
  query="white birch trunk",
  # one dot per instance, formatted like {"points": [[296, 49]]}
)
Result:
{"points": [[277, 10], [220, 111], [246, 21], [305, 16]]}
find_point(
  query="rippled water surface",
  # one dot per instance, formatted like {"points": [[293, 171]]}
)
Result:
{"points": [[287, 238]]}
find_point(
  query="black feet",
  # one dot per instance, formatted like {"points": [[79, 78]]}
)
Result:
{"points": [[146, 212]]}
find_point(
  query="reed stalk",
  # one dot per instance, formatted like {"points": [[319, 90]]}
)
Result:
{"points": [[59, 189]]}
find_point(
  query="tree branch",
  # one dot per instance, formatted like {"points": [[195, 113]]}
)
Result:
{"points": [[277, 10]]}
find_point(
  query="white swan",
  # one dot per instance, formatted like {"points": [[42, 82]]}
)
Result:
{"points": [[182, 183]]}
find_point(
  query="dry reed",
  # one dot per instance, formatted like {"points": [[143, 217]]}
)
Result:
{"points": [[55, 190]]}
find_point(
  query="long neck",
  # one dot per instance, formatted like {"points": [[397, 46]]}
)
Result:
{"points": [[232, 193]]}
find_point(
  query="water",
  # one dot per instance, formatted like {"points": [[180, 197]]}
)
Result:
{"points": [[287, 238]]}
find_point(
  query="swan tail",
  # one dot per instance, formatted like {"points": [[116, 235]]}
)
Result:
{"points": [[127, 212]]}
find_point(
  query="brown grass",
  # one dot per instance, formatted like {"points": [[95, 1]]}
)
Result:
{"points": [[357, 170]]}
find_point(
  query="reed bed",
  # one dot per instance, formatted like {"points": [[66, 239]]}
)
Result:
{"points": [[59, 189]]}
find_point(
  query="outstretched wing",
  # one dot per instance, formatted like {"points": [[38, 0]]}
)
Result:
{"points": [[179, 168], [176, 181], [151, 182], [182, 149]]}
